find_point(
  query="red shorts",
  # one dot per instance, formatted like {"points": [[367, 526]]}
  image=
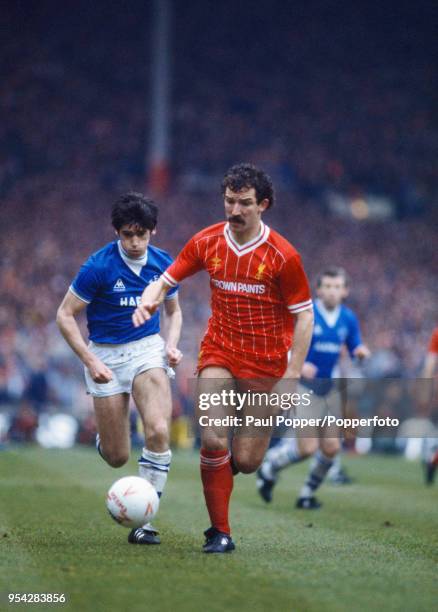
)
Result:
{"points": [[241, 368]]}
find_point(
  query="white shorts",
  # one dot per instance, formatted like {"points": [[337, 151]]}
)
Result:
{"points": [[320, 405], [126, 361]]}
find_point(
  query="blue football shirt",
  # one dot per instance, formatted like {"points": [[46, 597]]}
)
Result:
{"points": [[113, 290], [331, 331]]}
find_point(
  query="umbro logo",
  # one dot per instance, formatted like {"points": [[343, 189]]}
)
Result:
{"points": [[317, 330], [119, 286]]}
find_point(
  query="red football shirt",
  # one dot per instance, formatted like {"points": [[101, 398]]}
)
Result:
{"points": [[255, 287], [433, 345]]}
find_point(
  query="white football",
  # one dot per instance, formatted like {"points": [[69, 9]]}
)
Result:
{"points": [[132, 501]]}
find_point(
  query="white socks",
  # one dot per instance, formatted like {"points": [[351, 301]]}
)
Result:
{"points": [[154, 467], [318, 472], [280, 456]]}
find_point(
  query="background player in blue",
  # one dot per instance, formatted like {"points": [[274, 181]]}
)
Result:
{"points": [[335, 326], [121, 360]]}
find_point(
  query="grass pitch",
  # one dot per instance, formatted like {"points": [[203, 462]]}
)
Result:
{"points": [[373, 546]]}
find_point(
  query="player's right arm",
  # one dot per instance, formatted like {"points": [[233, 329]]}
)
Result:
{"points": [[66, 315], [430, 363], [295, 290], [151, 298], [431, 359], [427, 382], [187, 263], [309, 370], [357, 349]]}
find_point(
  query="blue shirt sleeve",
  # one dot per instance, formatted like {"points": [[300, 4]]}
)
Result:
{"points": [[88, 282], [354, 338]]}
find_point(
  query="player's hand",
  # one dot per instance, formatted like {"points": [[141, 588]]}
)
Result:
{"points": [[99, 372], [362, 352], [174, 356], [288, 384], [144, 312], [309, 370]]}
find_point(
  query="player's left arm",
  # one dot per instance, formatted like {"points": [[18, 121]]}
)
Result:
{"points": [[187, 263], [302, 337], [296, 294], [173, 324], [430, 364], [431, 360], [427, 381], [354, 343], [362, 352], [154, 295]]}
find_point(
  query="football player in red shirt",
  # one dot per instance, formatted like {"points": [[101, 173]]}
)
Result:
{"points": [[260, 301], [429, 371], [432, 355]]}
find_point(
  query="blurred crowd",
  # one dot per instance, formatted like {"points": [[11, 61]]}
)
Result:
{"points": [[323, 103]]}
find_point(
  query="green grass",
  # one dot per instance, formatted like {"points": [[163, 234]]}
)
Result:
{"points": [[55, 536]]}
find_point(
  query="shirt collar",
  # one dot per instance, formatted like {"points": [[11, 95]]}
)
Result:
{"points": [[140, 261]]}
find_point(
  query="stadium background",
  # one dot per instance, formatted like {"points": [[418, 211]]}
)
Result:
{"points": [[335, 103]]}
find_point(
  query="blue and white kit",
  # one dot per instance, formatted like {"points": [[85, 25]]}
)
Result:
{"points": [[332, 329], [111, 283]]}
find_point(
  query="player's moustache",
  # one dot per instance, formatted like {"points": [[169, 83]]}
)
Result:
{"points": [[236, 219]]}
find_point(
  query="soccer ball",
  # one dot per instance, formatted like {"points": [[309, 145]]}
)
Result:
{"points": [[132, 501]]}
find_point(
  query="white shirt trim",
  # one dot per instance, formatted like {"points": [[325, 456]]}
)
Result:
{"points": [[133, 264], [300, 305], [330, 316], [309, 307], [169, 280], [247, 247], [78, 296]]}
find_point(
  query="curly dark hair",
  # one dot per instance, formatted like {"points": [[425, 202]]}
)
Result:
{"points": [[134, 209], [245, 176]]}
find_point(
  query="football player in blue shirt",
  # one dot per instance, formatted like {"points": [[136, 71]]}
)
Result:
{"points": [[121, 360], [335, 326]]}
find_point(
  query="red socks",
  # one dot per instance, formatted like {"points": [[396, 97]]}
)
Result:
{"points": [[217, 479]]}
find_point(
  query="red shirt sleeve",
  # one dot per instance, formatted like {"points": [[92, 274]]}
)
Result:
{"points": [[294, 285], [433, 345], [188, 262]]}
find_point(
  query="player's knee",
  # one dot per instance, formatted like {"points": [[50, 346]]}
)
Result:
{"points": [[213, 443], [245, 463], [116, 458], [308, 446], [330, 448], [157, 437]]}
